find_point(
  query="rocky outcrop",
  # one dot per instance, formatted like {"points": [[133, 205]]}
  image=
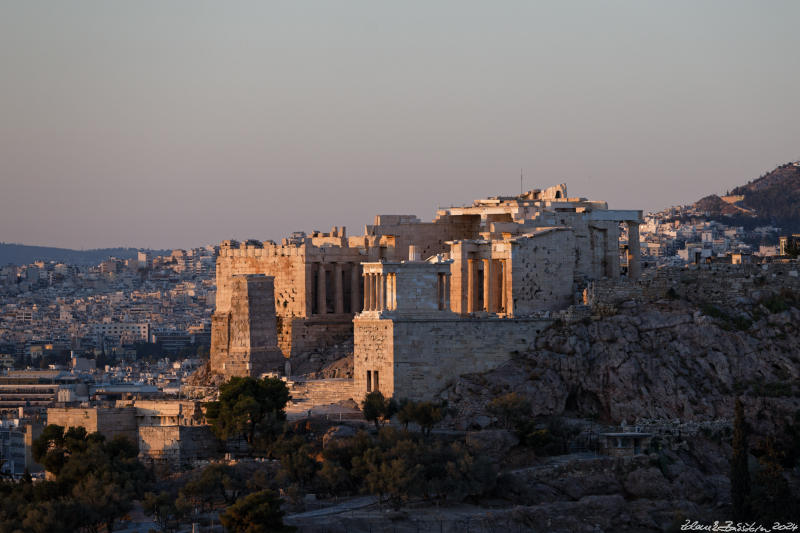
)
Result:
{"points": [[663, 360], [492, 442], [673, 366]]}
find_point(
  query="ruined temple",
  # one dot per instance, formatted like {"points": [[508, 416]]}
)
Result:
{"points": [[424, 301]]}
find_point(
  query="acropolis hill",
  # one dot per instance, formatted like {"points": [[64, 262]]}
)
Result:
{"points": [[424, 302]]}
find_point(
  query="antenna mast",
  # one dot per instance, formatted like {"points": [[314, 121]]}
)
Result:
{"points": [[520, 182]]}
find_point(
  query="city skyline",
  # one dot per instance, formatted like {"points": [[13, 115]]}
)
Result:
{"points": [[168, 126]]}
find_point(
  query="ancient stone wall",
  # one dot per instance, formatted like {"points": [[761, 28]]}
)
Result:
{"points": [[417, 358], [596, 245], [168, 412], [542, 272], [317, 279], [286, 264], [244, 339], [108, 421], [428, 238], [373, 350], [299, 335], [716, 284], [177, 445], [318, 392]]}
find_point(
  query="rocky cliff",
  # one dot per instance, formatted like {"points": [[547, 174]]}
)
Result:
{"points": [[672, 366], [666, 359]]}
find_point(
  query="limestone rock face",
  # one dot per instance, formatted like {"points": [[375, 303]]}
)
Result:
{"points": [[496, 442], [666, 360], [647, 483]]}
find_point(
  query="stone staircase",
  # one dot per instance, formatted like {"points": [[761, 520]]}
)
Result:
{"points": [[319, 392]]}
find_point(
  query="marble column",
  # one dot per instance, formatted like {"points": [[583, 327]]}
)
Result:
{"points": [[472, 279], [440, 291], [368, 292], [488, 286], [338, 289], [354, 283], [503, 286], [391, 292], [375, 296], [381, 282], [322, 303], [447, 292]]}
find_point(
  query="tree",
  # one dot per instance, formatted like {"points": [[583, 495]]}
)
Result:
{"points": [[740, 474], [771, 498], [333, 478], [163, 509], [95, 481], [512, 410], [47, 449], [216, 483], [297, 462], [377, 409], [405, 412], [425, 414], [249, 408], [259, 512]]}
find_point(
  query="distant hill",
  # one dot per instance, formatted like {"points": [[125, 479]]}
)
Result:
{"points": [[21, 254], [773, 199]]}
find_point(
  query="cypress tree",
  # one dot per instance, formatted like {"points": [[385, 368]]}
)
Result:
{"points": [[740, 475]]}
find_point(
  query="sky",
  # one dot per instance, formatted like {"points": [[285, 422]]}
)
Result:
{"points": [[184, 123]]}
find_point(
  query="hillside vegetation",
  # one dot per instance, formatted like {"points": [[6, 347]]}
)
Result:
{"points": [[771, 199]]}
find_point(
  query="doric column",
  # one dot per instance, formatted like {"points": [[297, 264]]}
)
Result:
{"points": [[374, 282], [367, 292], [338, 289], [497, 284], [472, 279], [322, 304], [354, 283], [503, 287], [447, 292], [634, 254], [488, 286], [381, 282], [439, 291], [394, 290]]}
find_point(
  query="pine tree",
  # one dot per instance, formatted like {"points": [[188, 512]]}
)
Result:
{"points": [[740, 474]]}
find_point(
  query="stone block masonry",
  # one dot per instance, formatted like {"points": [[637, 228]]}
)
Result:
{"points": [[244, 339], [416, 359], [108, 421], [478, 276], [720, 285], [176, 445], [165, 430]]}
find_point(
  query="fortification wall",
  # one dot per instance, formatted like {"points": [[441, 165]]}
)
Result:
{"points": [[287, 264], [109, 422], [177, 445], [717, 284], [417, 358]]}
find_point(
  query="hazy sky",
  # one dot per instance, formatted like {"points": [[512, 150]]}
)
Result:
{"points": [[179, 124]]}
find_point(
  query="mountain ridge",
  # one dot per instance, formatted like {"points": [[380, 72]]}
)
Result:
{"points": [[23, 254], [771, 199]]}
